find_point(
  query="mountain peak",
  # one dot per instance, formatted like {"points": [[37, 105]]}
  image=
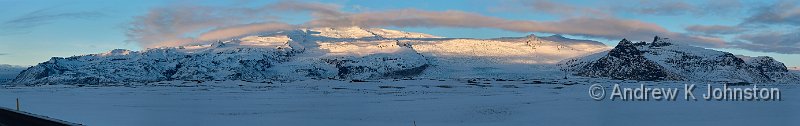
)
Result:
{"points": [[767, 64], [624, 42], [660, 41], [624, 48], [116, 52]]}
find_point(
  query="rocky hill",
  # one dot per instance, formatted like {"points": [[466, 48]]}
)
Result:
{"points": [[664, 60]]}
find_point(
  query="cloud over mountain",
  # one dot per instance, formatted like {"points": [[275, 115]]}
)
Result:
{"points": [[784, 12], [170, 26], [190, 24], [775, 41]]}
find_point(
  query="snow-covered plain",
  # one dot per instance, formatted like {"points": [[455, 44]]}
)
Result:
{"points": [[422, 102]]}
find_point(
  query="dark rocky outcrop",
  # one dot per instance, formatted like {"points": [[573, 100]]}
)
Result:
{"points": [[664, 60]]}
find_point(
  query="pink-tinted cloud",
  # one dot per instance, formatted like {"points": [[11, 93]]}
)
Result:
{"points": [[549, 7], [318, 9], [601, 27], [175, 25]]}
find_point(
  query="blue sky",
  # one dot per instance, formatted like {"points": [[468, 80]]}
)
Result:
{"points": [[32, 31]]}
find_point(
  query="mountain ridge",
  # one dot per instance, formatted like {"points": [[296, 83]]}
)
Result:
{"points": [[315, 53], [9, 72], [355, 53], [664, 60]]}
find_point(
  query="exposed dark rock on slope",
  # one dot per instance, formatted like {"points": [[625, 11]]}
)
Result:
{"points": [[663, 60]]}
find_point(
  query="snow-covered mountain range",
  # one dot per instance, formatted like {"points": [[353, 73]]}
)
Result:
{"points": [[9, 72], [664, 60], [320, 53], [355, 53]]}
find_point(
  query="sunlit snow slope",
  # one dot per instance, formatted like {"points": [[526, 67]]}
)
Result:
{"points": [[320, 53]]}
